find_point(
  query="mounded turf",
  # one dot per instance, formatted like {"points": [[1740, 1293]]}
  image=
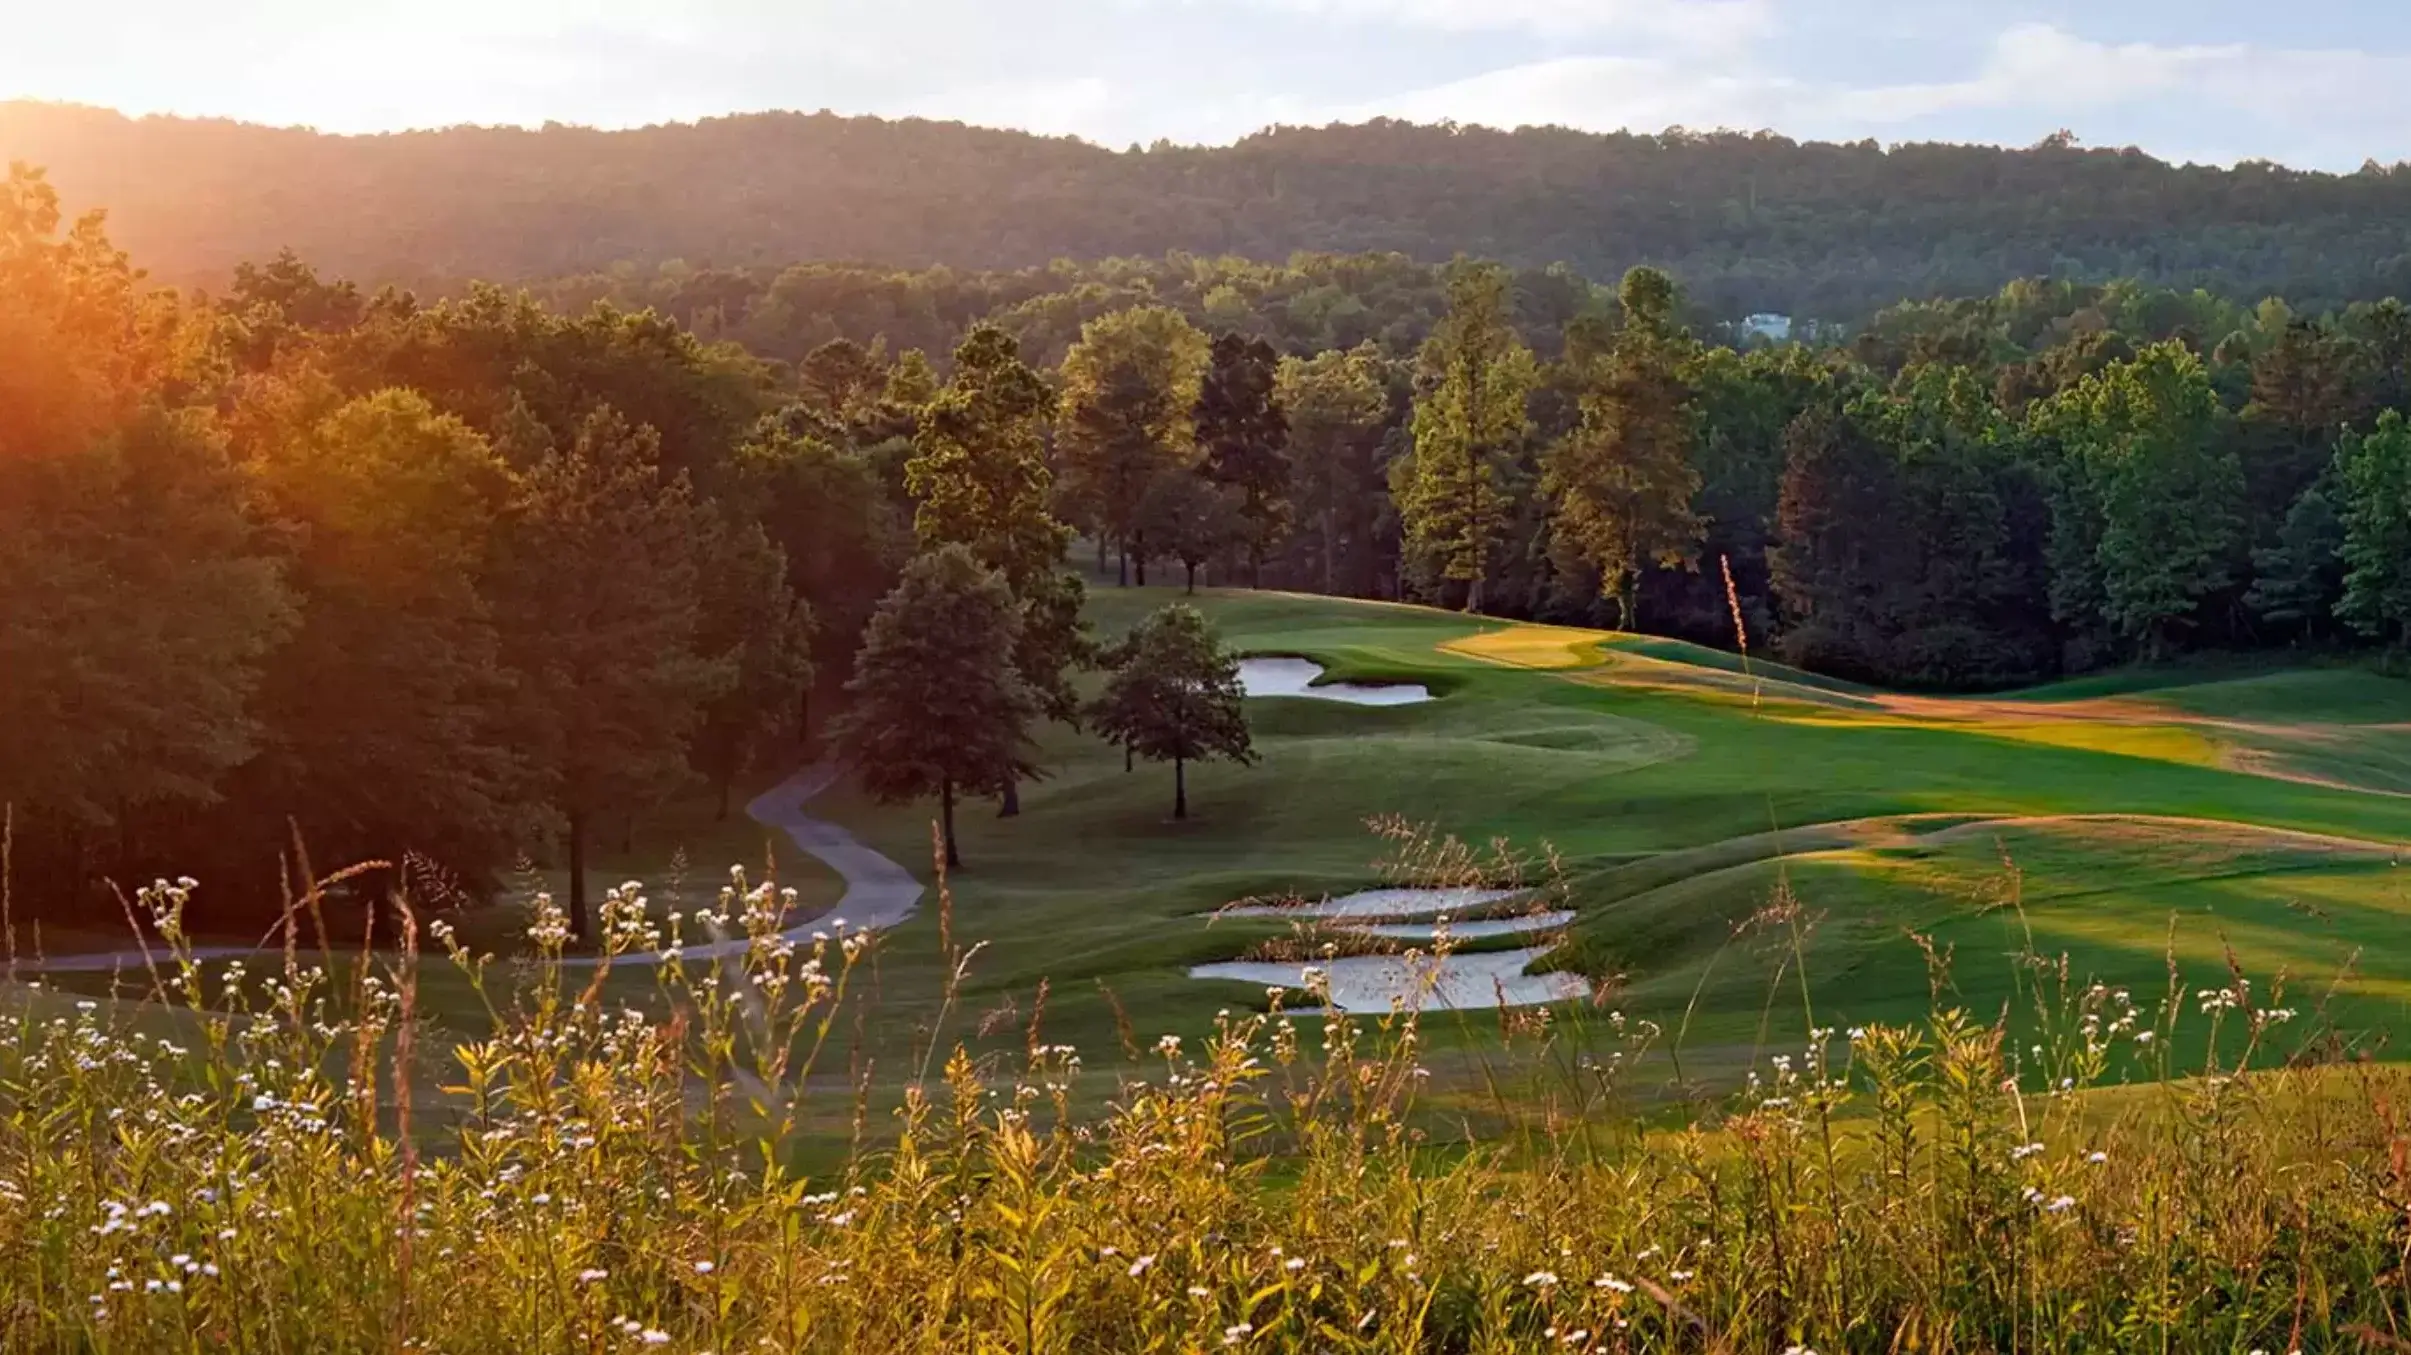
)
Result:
{"points": [[1680, 786]]}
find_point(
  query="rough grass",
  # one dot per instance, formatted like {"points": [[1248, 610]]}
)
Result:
{"points": [[287, 1161]]}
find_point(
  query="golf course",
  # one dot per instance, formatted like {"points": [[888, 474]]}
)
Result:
{"points": [[2250, 816]]}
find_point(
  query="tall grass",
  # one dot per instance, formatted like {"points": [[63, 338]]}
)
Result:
{"points": [[293, 1161]]}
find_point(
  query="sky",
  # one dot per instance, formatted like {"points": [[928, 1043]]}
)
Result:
{"points": [[2310, 83]]}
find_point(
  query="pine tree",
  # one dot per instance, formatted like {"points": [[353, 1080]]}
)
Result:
{"points": [[980, 479], [938, 706], [1451, 493], [1175, 697], [1338, 408], [1623, 481], [1243, 433]]}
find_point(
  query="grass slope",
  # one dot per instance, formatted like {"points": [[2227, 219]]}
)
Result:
{"points": [[1680, 789]]}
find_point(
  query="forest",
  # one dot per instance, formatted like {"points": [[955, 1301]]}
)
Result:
{"points": [[1750, 221], [435, 581]]}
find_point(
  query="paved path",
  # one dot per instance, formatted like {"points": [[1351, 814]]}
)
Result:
{"points": [[879, 893]]}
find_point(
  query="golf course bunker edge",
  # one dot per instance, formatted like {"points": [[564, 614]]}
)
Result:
{"points": [[1288, 675]]}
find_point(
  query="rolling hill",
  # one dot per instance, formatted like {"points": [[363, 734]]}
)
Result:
{"points": [[1749, 221]]}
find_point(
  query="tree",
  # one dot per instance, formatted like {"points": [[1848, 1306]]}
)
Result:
{"points": [[749, 619], [980, 479], [1192, 519], [2153, 493], [1470, 418], [1175, 697], [1243, 432], [1339, 407], [843, 541], [601, 611], [2301, 577], [1623, 481], [938, 706], [386, 721], [2375, 471], [138, 604], [1130, 388]]}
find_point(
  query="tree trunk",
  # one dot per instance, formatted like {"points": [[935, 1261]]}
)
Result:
{"points": [[1255, 566], [579, 927], [1011, 809], [1628, 601], [1473, 595], [1100, 554], [1141, 561], [627, 835], [1180, 788], [1121, 557], [1330, 549], [1130, 759], [803, 718], [727, 778], [1192, 578], [954, 856]]}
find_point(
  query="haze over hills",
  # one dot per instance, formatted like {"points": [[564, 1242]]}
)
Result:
{"points": [[1747, 221]]}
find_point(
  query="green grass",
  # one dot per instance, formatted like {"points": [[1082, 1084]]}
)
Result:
{"points": [[1679, 791], [1094, 888]]}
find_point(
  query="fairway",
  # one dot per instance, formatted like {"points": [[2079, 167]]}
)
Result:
{"points": [[1680, 788]]}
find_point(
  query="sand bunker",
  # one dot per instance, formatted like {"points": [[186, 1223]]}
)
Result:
{"points": [[1468, 931], [1375, 904], [1374, 984], [1296, 677]]}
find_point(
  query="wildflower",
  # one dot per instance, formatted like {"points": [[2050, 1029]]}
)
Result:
{"points": [[1541, 1279], [2097, 1158], [703, 1267], [1199, 1291], [591, 1275], [1237, 1332], [654, 1336], [1610, 1282], [1142, 1265], [2143, 1037], [1294, 1263], [2062, 1205]]}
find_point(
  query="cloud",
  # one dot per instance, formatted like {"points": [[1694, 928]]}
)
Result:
{"points": [[2330, 108], [1596, 93], [1702, 23]]}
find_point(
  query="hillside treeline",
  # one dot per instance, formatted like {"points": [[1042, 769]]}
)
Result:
{"points": [[433, 583], [1751, 222]]}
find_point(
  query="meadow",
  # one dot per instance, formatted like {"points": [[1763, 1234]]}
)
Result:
{"points": [[2048, 1021]]}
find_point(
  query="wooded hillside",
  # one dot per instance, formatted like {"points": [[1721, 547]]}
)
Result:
{"points": [[1750, 222]]}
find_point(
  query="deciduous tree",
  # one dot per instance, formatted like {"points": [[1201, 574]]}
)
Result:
{"points": [[938, 707], [1174, 696], [600, 604], [2375, 470]]}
